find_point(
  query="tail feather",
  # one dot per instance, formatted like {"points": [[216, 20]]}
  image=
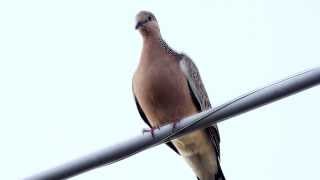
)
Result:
{"points": [[219, 175]]}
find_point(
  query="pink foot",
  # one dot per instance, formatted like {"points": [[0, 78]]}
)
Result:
{"points": [[174, 125], [151, 130]]}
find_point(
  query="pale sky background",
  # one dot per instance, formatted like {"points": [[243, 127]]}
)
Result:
{"points": [[65, 84]]}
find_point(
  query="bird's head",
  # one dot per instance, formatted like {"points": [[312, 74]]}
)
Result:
{"points": [[147, 24]]}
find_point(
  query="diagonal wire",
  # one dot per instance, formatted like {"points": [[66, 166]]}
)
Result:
{"points": [[242, 104]]}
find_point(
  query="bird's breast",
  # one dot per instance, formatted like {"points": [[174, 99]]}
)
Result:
{"points": [[162, 91]]}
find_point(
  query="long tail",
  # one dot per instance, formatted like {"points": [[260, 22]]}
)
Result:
{"points": [[219, 175]]}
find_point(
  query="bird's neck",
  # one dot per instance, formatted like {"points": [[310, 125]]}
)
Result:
{"points": [[154, 47]]}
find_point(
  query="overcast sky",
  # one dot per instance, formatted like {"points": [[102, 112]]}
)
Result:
{"points": [[65, 84]]}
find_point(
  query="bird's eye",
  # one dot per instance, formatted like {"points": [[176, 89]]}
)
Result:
{"points": [[149, 18]]}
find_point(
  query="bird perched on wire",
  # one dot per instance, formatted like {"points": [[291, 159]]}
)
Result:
{"points": [[167, 87]]}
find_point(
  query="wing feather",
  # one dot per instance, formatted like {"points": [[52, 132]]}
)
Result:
{"points": [[200, 97]]}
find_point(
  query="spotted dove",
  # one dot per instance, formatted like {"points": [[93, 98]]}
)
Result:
{"points": [[167, 87]]}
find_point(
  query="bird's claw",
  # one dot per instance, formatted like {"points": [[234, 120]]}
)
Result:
{"points": [[151, 130], [174, 125]]}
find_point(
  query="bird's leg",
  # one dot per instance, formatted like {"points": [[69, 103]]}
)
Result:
{"points": [[151, 130], [174, 125]]}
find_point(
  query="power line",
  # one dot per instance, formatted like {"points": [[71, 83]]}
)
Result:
{"points": [[242, 104]]}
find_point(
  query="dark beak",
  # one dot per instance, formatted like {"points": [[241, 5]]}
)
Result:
{"points": [[138, 25], [141, 23]]}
